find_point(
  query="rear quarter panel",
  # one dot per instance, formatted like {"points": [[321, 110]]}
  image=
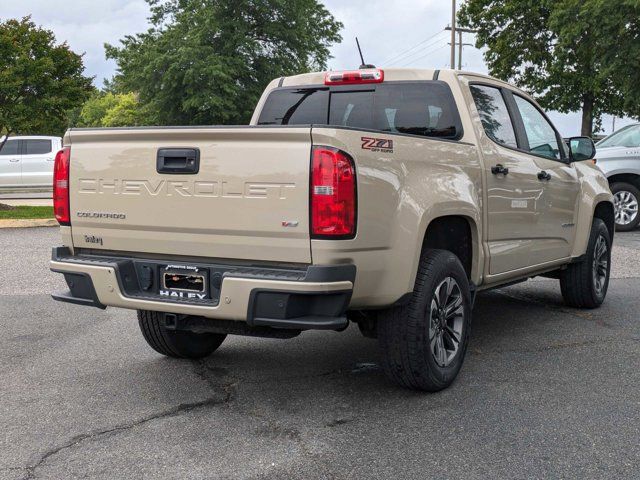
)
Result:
{"points": [[399, 194]]}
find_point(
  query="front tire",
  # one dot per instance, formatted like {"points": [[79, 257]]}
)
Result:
{"points": [[176, 344], [424, 343], [585, 284], [626, 198]]}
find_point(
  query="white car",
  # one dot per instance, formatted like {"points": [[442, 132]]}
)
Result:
{"points": [[619, 158], [27, 162]]}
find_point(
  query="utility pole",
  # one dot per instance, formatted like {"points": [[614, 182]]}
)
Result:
{"points": [[460, 31], [459, 49], [453, 33]]}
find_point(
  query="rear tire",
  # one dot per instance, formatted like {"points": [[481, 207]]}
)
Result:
{"points": [[424, 342], [626, 199], [176, 344], [585, 284]]}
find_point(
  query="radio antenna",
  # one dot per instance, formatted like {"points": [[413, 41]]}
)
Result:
{"points": [[362, 64]]}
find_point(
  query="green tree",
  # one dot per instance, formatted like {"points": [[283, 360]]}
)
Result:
{"points": [[207, 61], [619, 28], [559, 50], [40, 81], [114, 110]]}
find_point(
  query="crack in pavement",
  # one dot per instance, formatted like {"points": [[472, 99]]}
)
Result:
{"points": [[270, 428], [229, 394], [13, 469], [358, 368], [210, 376], [182, 408]]}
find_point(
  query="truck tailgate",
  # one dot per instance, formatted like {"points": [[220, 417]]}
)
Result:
{"points": [[249, 200]]}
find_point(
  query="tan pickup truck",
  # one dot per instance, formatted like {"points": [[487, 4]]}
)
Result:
{"points": [[388, 198]]}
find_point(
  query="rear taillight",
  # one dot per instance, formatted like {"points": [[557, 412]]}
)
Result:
{"points": [[61, 186], [354, 77], [333, 194]]}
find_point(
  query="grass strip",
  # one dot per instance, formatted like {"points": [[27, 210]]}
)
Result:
{"points": [[22, 212]]}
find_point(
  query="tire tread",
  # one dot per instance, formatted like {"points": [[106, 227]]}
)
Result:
{"points": [[402, 333], [174, 344], [576, 280]]}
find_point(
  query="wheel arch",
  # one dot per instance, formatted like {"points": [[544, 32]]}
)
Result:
{"points": [[604, 210], [601, 207], [438, 233], [595, 199], [632, 178]]}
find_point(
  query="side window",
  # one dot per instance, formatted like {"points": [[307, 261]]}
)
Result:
{"points": [[540, 134], [10, 148], [297, 106], [37, 147], [494, 115], [625, 137]]}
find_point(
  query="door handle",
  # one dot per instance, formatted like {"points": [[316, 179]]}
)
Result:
{"points": [[185, 161], [499, 170], [14, 160], [544, 176]]}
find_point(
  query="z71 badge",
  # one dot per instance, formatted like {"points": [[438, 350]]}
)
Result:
{"points": [[377, 144]]}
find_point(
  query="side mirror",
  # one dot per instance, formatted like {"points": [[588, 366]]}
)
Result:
{"points": [[581, 148]]}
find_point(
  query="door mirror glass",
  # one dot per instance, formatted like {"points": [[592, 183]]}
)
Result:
{"points": [[581, 148]]}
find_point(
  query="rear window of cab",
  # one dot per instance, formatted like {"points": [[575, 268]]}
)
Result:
{"points": [[426, 109]]}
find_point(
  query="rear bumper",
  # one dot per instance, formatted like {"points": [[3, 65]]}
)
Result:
{"points": [[315, 297]]}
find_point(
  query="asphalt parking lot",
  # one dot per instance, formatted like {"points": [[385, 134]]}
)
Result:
{"points": [[546, 392]]}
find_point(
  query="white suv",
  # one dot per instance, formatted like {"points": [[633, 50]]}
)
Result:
{"points": [[27, 162], [619, 159]]}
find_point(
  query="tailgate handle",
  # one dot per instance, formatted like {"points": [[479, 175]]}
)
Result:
{"points": [[180, 161]]}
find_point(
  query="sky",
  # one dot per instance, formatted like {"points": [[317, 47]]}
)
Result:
{"points": [[392, 33]]}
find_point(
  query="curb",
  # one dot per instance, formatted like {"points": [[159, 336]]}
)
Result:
{"points": [[28, 223]]}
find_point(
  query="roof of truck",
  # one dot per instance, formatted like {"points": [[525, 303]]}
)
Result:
{"points": [[316, 79], [390, 74]]}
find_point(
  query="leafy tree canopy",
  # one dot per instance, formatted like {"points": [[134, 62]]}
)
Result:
{"points": [[114, 110], [570, 54], [39, 80], [207, 61]]}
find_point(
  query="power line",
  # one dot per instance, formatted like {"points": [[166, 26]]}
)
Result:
{"points": [[425, 55], [407, 56], [422, 54], [393, 58], [396, 57], [434, 39]]}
